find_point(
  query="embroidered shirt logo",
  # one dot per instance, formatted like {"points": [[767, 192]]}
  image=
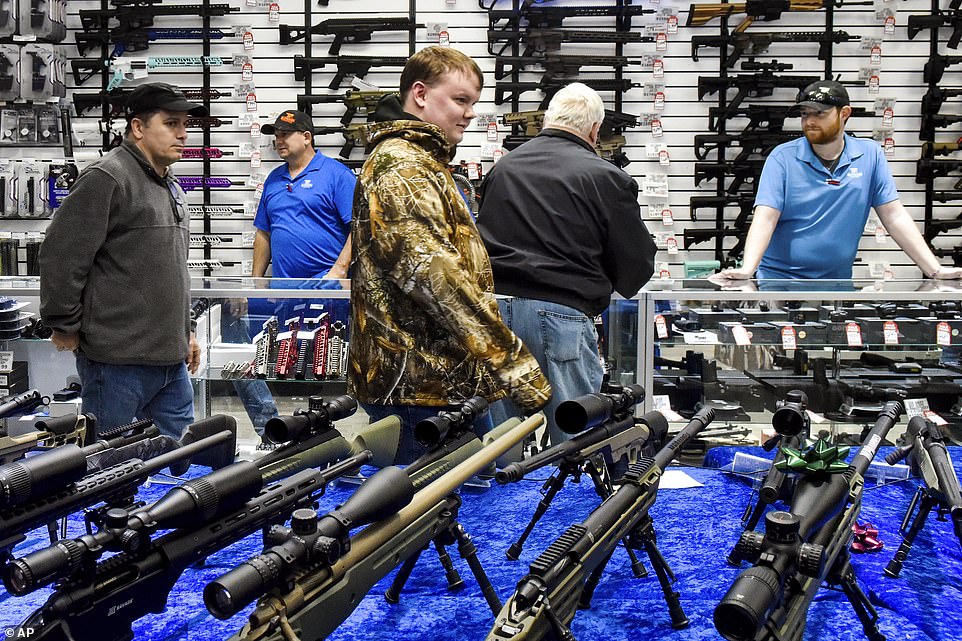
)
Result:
{"points": [[854, 172], [307, 184]]}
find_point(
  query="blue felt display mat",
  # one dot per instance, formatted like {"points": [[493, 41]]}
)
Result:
{"points": [[696, 527]]}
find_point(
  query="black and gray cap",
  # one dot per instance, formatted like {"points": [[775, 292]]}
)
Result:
{"points": [[159, 95], [822, 95]]}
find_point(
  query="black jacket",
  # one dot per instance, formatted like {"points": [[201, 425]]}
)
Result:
{"points": [[562, 225]]}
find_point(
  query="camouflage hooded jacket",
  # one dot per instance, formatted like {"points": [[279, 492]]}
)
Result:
{"points": [[425, 324]]}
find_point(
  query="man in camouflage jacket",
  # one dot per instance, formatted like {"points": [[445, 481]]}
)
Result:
{"points": [[426, 331]]}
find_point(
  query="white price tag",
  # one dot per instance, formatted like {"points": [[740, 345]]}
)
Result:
{"points": [[874, 83], [474, 170], [853, 334], [888, 115], [256, 158], [661, 327], [492, 132], [661, 42], [663, 158], [932, 417], [667, 218], [659, 101], [889, 27], [274, 12], [497, 154], [890, 333], [916, 406], [658, 68], [671, 244], [662, 403], [671, 25], [6, 361], [248, 41], [251, 102], [740, 334], [888, 147], [788, 338], [663, 272], [444, 38], [943, 334], [876, 55], [256, 130], [656, 130], [880, 235], [247, 72]]}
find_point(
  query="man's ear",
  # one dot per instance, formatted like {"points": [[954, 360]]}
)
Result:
{"points": [[846, 112], [417, 93], [595, 134], [137, 128]]}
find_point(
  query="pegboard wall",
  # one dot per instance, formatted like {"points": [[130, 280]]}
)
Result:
{"points": [[875, 57]]}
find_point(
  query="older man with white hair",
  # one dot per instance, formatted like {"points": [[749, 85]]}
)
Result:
{"points": [[563, 229]]}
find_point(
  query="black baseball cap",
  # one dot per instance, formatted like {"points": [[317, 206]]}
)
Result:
{"points": [[290, 121], [822, 95], [159, 95]]}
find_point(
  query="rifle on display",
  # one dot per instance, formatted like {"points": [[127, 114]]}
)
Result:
{"points": [[927, 169], [950, 18], [551, 85], [84, 69], [935, 97], [311, 436], [116, 99], [756, 85], [751, 143], [744, 202], [359, 66], [353, 101], [955, 253], [940, 489], [531, 122], [52, 495], [206, 515], [806, 546], [313, 595], [946, 196], [346, 30], [48, 434], [606, 434], [695, 236], [931, 122], [562, 580], [130, 17], [140, 38], [744, 172], [557, 65], [190, 183], [610, 149], [768, 117], [933, 149], [699, 14], [21, 403], [542, 41], [552, 17], [935, 227], [354, 136], [935, 67], [751, 44], [793, 427]]}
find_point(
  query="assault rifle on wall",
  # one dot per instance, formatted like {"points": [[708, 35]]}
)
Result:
{"points": [[558, 65], [752, 43], [563, 578], [354, 136], [116, 99], [930, 122], [552, 17], [767, 117], [322, 594], [744, 202], [354, 100], [205, 514], [744, 172], [940, 489], [755, 85], [354, 65], [543, 41], [699, 14], [504, 91], [751, 143], [927, 169], [951, 18], [346, 30], [806, 546], [935, 97], [129, 17], [935, 67], [139, 39]]}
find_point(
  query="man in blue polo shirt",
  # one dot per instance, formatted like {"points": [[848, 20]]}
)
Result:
{"points": [[303, 222], [814, 198]]}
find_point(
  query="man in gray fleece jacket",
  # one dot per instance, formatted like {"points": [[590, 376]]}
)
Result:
{"points": [[114, 286]]}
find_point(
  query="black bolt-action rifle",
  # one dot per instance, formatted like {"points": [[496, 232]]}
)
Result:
{"points": [[804, 547], [346, 30], [206, 515], [563, 578], [929, 459], [551, 17]]}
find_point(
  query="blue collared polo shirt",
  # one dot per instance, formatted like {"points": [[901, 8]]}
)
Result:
{"points": [[308, 217], [823, 213]]}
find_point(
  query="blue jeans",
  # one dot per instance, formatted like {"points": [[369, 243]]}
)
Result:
{"points": [[564, 342], [253, 393], [409, 449], [121, 394]]}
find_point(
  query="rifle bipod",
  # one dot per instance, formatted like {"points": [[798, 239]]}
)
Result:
{"points": [[925, 502], [602, 484], [454, 533], [644, 536], [864, 610]]}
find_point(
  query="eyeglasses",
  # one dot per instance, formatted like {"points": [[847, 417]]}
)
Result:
{"points": [[824, 98]]}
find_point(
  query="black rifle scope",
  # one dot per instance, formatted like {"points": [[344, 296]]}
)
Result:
{"points": [[591, 410], [791, 415], [188, 505], [318, 417], [435, 430], [42, 474], [308, 541]]}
